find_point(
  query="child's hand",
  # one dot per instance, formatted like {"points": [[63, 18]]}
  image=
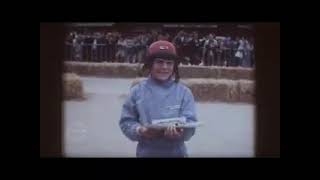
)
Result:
{"points": [[149, 132], [173, 133]]}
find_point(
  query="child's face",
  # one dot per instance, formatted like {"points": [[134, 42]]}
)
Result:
{"points": [[162, 69]]}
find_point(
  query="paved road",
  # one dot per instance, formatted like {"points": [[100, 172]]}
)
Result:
{"points": [[91, 126]]}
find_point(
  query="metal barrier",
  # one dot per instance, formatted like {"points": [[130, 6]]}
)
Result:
{"points": [[100, 52], [109, 53], [226, 57], [89, 52]]}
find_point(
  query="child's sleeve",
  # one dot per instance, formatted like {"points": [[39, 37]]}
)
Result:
{"points": [[129, 118]]}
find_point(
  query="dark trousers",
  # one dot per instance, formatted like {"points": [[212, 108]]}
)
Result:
{"points": [[86, 52], [227, 54]]}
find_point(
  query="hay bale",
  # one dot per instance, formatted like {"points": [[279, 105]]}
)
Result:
{"points": [[197, 72], [220, 90], [105, 69], [72, 86], [127, 71], [234, 73], [233, 92], [217, 90], [82, 68], [246, 91], [197, 87], [249, 74]]}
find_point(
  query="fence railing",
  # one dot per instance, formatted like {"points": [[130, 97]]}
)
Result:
{"points": [[112, 53]]}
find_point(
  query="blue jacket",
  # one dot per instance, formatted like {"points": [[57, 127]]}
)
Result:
{"points": [[150, 100]]}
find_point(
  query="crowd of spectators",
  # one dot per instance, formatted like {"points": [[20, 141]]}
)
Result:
{"points": [[207, 50]]}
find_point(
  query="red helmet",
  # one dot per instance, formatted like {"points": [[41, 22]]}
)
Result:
{"points": [[162, 49], [165, 50]]}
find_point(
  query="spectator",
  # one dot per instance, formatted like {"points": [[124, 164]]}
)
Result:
{"points": [[234, 49], [69, 46], [188, 48], [113, 42], [195, 50], [247, 54], [168, 37], [219, 50], [130, 50], [240, 52], [252, 57], [141, 48], [178, 40], [110, 47], [210, 48], [77, 48], [94, 50], [149, 39], [87, 46], [120, 55], [227, 50], [202, 48], [144, 47], [101, 43], [154, 35], [136, 48], [214, 46], [205, 50]]}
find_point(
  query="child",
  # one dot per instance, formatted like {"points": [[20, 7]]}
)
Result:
{"points": [[159, 96]]}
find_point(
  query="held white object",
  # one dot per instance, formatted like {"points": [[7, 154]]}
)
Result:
{"points": [[179, 122]]}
